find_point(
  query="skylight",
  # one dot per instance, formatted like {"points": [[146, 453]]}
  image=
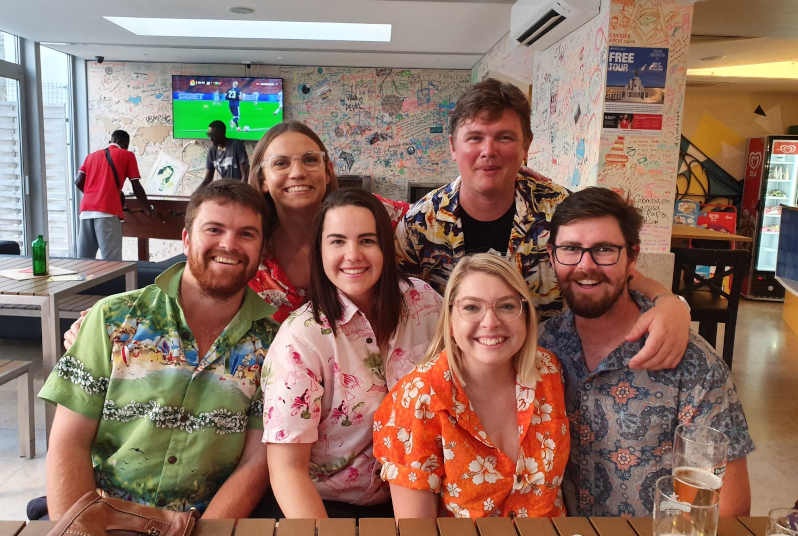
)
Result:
{"points": [[254, 29]]}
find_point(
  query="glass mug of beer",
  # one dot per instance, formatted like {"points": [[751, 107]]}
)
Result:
{"points": [[699, 462], [674, 516]]}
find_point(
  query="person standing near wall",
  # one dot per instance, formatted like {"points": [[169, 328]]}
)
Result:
{"points": [[226, 157], [100, 178]]}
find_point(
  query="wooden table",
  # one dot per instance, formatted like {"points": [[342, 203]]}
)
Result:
{"points": [[48, 295], [689, 232], [494, 526], [167, 222]]}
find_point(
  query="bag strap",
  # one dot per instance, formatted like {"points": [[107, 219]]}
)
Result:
{"points": [[113, 167]]}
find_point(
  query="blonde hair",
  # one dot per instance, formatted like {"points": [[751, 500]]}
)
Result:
{"points": [[525, 361]]}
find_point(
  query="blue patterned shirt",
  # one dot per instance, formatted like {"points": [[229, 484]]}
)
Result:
{"points": [[429, 240], [623, 420]]}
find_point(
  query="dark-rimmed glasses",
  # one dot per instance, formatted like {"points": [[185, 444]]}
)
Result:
{"points": [[602, 254], [474, 309]]}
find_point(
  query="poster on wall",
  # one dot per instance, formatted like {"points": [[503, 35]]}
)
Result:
{"points": [[165, 175], [635, 94]]}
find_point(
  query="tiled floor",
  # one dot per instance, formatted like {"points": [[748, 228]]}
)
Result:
{"points": [[765, 370]]}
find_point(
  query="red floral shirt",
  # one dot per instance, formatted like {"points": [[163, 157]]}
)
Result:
{"points": [[428, 437]]}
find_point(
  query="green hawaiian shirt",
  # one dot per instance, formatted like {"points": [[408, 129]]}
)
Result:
{"points": [[429, 240], [172, 423]]}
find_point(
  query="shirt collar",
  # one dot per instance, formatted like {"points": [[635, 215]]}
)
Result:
{"points": [[253, 308]]}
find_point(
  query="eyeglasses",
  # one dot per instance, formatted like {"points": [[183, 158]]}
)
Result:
{"points": [[310, 160], [602, 255], [474, 309]]}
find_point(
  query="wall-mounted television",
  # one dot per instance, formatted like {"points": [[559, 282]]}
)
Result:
{"points": [[247, 106]]}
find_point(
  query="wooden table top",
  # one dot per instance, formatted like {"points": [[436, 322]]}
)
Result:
{"points": [[493, 526], [94, 272], [690, 232]]}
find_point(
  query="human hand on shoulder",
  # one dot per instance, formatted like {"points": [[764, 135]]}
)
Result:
{"points": [[668, 326]]}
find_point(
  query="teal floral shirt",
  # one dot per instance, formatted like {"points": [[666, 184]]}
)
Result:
{"points": [[623, 420], [172, 423]]}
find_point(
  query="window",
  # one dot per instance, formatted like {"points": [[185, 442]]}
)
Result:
{"points": [[12, 215], [58, 166], [9, 47]]}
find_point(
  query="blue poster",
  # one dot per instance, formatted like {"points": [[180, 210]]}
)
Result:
{"points": [[636, 74]]}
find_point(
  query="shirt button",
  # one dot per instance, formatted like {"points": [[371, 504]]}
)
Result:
{"points": [[171, 459], [369, 340]]}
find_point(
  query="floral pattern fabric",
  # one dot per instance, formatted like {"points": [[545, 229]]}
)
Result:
{"points": [[623, 420], [429, 239], [323, 389], [428, 437], [272, 284], [172, 423]]}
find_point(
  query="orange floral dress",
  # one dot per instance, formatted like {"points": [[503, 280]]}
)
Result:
{"points": [[429, 438]]}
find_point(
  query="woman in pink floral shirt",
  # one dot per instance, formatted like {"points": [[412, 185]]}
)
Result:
{"points": [[292, 167], [333, 361]]}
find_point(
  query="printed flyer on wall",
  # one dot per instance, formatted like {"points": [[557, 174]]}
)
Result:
{"points": [[635, 88]]}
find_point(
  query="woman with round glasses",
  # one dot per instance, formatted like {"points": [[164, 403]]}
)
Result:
{"points": [[479, 429], [292, 167]]}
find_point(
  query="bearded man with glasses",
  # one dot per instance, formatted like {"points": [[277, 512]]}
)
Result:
{"points": [[623, 420]]}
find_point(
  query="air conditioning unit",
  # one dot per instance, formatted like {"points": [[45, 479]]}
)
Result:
{"points": [[541, 23]]}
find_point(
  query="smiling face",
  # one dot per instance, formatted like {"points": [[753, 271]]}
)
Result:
{"points": [[298, 185], [223, 247], [488, 154], [591, 290], [492, 340], [351, 254]]}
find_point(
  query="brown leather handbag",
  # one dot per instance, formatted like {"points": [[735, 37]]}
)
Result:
{"points": [[93, 515]]}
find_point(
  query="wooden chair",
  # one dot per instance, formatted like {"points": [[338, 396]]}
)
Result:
{"points": [[20, 371], [710, 304]]}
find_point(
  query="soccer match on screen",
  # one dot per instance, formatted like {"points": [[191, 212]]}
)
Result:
{"points": [[247, 106]]}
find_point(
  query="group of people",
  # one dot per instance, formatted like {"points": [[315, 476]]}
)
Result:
{"points": [[329, 352]]}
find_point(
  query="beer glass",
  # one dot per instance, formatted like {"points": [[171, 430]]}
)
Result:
{"points": [[674, 516], [783, 522], [699, 461]]}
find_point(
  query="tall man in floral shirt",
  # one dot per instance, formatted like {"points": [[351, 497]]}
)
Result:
{"points": [[622, 420], [159, 398], [491, 207]]}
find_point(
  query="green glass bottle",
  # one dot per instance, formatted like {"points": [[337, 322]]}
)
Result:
{"points": [[39, 247]]}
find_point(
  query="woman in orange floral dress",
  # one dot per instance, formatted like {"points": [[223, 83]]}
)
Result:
{"points": [[479, 429]]}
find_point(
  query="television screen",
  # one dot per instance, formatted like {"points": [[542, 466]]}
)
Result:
{"points": [[247, 106]]}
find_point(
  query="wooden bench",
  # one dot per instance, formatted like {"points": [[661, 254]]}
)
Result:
{"points": [[69, 307], [20, 371]]}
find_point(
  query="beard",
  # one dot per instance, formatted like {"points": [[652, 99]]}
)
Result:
{"points": [[216, 285], [588, 307]]}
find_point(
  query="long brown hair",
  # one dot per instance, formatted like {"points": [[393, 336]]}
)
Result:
{"points": [[256, 176], [324, 295]]}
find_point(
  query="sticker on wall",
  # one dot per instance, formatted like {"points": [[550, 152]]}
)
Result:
{"points": [[165, 175], [635, 93]]}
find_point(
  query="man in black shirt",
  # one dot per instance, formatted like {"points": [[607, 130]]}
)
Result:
{"points": [[226, 157]]}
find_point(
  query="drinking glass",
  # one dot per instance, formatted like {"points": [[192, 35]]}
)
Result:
{"points": [[676, 517], [783, 522], [699, 462]]}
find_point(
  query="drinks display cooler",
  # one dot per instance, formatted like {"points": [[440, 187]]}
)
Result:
{"points": [[771, 175]]}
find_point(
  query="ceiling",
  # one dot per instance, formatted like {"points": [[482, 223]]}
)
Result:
{"points": [[440, 34]]}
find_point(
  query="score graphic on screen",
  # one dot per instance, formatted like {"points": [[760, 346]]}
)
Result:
{"points": [[247, 106]]}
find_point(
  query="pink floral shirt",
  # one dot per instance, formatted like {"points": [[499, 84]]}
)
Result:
{"points": [[324, 389]]}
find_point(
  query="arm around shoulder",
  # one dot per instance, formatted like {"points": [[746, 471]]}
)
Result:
{"points": [[68, 466]]}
